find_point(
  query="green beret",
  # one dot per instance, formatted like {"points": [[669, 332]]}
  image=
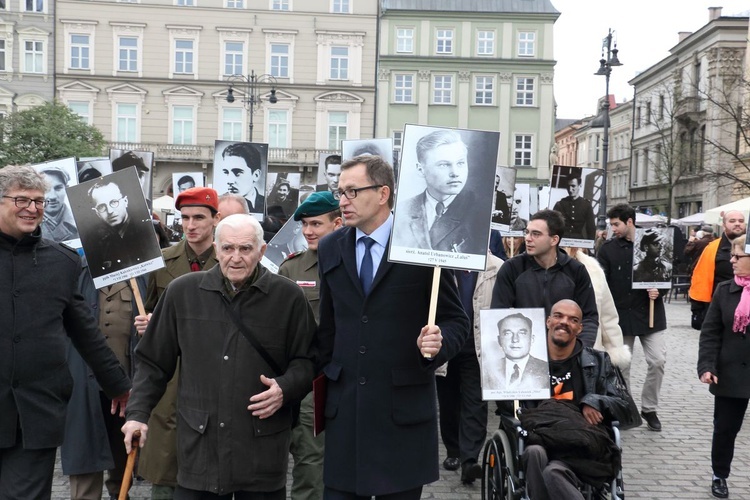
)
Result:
{"points": [[318, 203]]}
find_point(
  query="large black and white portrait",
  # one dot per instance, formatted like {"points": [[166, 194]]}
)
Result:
{"points": [[329, 171], [143, 161], [58, 223], [574, 192], [444, 197], [182, 181], [115, 226], [288, 240], [358, 147], [240, 168], [505, 182], [514, 361], [653, 253], [92, 168], [520, 210], [282, 193]]}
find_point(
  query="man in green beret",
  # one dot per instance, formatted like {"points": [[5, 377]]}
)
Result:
{"points": [[320, 215]]}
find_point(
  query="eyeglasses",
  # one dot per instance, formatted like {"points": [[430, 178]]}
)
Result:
{"points": [[738, 257], [23, 202], [351, 193], [533, 234], [102, 207]]}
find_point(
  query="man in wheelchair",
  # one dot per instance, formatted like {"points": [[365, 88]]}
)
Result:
{"points": [[586, 378]]}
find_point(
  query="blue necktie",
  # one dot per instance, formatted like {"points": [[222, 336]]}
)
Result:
{"points": [[365, 270]]}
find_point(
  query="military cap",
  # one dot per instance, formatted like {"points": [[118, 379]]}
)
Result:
{"points": [[318, 203], [56, 170], [198, 197], [129, 159]]}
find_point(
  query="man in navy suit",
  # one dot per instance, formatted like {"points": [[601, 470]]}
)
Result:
{"points": [[444, 216], [381, 418]]}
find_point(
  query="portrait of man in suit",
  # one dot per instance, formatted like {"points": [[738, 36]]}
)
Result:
{"points": [[240, 170], [446, 215], [328, 178]]}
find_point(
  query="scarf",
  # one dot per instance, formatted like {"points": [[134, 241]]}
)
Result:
{"points": [[742, 313]]}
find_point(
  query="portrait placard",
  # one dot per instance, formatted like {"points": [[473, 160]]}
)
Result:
{"points": [[282, 193], [329, 171], [575, 193], [287, 241], [520, 210], [514, 361], [143, 161], [444, 197], [241, 168], [358, 147], [115, 226], [58, 223], [653, 252], [92, 168], [186, 180], [505, 182]]}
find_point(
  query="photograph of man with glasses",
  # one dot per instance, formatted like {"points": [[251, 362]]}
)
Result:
{"points": [[115, 226]]}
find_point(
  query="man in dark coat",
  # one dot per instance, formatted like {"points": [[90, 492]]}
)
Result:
{"points": [[38, 316], [616, 259], [233, 408], [381, 418]]}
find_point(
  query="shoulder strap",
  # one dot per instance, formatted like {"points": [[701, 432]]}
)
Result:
{"points": [[250, 338]]}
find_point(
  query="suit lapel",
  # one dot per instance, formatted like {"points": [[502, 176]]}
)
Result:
{"points": [[384, 266], [348, 249], [418, 223]]}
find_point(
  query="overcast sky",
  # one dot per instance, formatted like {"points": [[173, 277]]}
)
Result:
{"points": [[645, 31]]}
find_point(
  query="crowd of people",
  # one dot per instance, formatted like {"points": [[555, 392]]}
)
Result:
{"points": [[223, 357]]}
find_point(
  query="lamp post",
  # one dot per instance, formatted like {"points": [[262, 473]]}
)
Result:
{"points": [[252, 99], [606, 63]]}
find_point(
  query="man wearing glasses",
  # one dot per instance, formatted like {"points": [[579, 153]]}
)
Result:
{"points": [[120, 232], [381, 417], [41, 312]]}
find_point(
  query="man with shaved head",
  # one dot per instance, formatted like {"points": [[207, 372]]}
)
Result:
{"points": [[585, 377]]}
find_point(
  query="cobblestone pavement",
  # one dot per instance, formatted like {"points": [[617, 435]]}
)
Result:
{"points": [[674, 463]]}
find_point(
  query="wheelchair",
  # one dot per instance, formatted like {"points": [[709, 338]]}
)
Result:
{"points": [[503, 476]]}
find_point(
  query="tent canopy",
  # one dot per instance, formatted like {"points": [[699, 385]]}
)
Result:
{"points": [[714, 215]]}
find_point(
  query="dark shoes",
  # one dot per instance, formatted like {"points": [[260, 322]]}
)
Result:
{"points": [[451, 463], [470, 471], [719, 488], [651, 420]]}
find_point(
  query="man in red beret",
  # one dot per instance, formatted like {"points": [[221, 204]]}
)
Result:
{"points": [[199, 209]]}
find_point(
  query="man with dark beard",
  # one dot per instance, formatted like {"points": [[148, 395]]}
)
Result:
{"points": [[585, 377]]}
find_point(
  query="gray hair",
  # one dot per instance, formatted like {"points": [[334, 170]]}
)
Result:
{"points": [[21, 177], [240, 221], [236, 198]]}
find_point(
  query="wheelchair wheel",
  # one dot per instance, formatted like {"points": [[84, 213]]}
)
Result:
{"points": [[498, 473]]}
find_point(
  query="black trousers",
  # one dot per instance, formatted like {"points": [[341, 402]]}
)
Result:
{"points": [[331, 494], [181, 493], [463, 414], [728, 416], [26, 473]]}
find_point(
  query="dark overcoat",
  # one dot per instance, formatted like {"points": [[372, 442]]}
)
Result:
{"points": [[381, 410]]}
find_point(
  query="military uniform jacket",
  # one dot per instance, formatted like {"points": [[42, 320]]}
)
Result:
{"points": [[302, 268], [579, 217]]}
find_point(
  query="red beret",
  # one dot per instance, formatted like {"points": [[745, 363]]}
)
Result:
{"points": [[198, 197]]}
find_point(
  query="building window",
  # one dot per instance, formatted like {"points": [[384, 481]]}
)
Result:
{"points": [[278, 127], [2, 55], [337, 126], [79, 52], [186, 3], [183, 57], [280, 5], [398, 139], [661, 107], [233, 55], [522, 151], [339, 63], [182, 125], [280, 60], [403, 89], [442, 89], [638, 117], [485, 43], [526, 43], [82, 109], [405, 40], [484, 90], [648, 112], [341, 7], [231, 124], [33, 55], [128, 53], [33, 5], [125, 116], [444, 41], [524, 91], [235, 4]]}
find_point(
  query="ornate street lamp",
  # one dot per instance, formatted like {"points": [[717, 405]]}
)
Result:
{"points": [[252, 85], [606, 63]]}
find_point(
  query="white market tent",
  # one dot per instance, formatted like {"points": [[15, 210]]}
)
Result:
{"points": [[713, 216], [691, 220]]}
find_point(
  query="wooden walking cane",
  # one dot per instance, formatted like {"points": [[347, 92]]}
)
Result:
{"points": [[127, 477]]}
